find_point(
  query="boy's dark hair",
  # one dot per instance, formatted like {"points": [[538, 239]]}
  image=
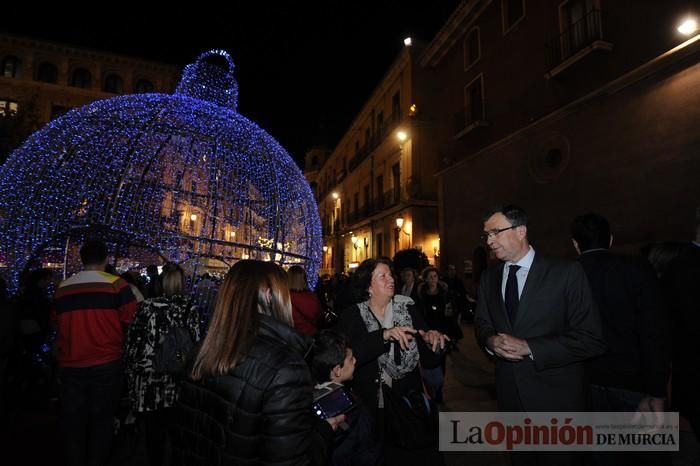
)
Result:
{"points": [[591, 231], [93, 252], [329, 351]]}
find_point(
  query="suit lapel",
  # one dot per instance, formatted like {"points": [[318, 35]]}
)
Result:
{"points": [[532, 284]]}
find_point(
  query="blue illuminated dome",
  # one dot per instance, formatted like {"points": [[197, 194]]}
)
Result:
{"points": [[180, 177]]}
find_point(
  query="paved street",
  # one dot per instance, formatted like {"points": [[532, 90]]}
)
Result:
{"points": [[470, 387]]}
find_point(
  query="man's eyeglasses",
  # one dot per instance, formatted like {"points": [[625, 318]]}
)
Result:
{"points": [[492, 233]]}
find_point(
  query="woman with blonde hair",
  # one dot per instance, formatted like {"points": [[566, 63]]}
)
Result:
{"points": [[306, 307], [248, 396], [153, 393]]}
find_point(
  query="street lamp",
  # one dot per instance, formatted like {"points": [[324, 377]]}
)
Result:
{"points": [[354, 245], [397, 232], [688, 27], [436, 251], [401, 135]]}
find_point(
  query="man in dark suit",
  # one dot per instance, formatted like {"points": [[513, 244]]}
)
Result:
{"points": [[681, 283], [535, 315], [632, 375], [634, 371]]}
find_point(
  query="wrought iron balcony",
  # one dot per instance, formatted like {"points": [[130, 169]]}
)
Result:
{"points": [[575, 41]]}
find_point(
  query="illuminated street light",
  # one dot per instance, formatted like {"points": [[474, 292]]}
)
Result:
{"points": [[688, 27], [401, 136], [407, 42]]}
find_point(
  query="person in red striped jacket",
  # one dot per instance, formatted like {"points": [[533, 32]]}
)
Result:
{"points": [[91, 311]]}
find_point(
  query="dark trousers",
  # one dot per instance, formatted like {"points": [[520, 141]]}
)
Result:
{"points": [[89, 397], [619, 400], [3, 389], [157, 426]]}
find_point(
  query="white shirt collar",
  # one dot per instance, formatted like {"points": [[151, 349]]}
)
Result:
{"points": [[525, 262]]}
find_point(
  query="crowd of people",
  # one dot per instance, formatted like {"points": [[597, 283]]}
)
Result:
{"points": [[226, 370]]}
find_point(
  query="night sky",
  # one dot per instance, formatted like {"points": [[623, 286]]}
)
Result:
{"points": [[303, 71]]}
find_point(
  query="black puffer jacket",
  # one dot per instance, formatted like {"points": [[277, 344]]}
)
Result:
{"points": [[258, 413]]}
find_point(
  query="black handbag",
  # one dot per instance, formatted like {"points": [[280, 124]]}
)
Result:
{"points": [[411, 421]]}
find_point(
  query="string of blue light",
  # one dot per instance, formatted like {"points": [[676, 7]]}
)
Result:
{"points": [[183, 176]]}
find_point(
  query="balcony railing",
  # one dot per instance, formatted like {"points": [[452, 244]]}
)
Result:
{"points": [[375, 140], [468, 119], [388, 125], [383, 201], [579, 35]]}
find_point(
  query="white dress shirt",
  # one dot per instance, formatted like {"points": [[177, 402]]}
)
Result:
{"points": [[525, 264]]}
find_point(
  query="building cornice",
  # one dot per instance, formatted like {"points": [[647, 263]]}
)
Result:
{"points": [[85, 53], [456, 26]]}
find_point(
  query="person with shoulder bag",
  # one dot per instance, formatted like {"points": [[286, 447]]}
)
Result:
{"points": [[386, 332], [164, 330]]}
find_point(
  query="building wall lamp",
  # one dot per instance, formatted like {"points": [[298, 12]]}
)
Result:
{"points": [[398, 230]]}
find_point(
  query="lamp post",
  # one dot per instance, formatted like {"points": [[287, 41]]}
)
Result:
{"points": [[354, 246], [336, 260], [436, 252], [397, 233]]}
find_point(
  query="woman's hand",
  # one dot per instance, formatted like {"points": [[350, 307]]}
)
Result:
{"points": [[404, 335], [434, 339], [336, 421]]}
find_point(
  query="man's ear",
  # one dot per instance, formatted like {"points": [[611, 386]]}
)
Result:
{"points": [[578, 251], [522, 231], [335, 372]]}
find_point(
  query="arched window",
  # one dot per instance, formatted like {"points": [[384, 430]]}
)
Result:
{"points": [[80, 78], [47, 73], [11, 67], [143, 86], [114, 84]]}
